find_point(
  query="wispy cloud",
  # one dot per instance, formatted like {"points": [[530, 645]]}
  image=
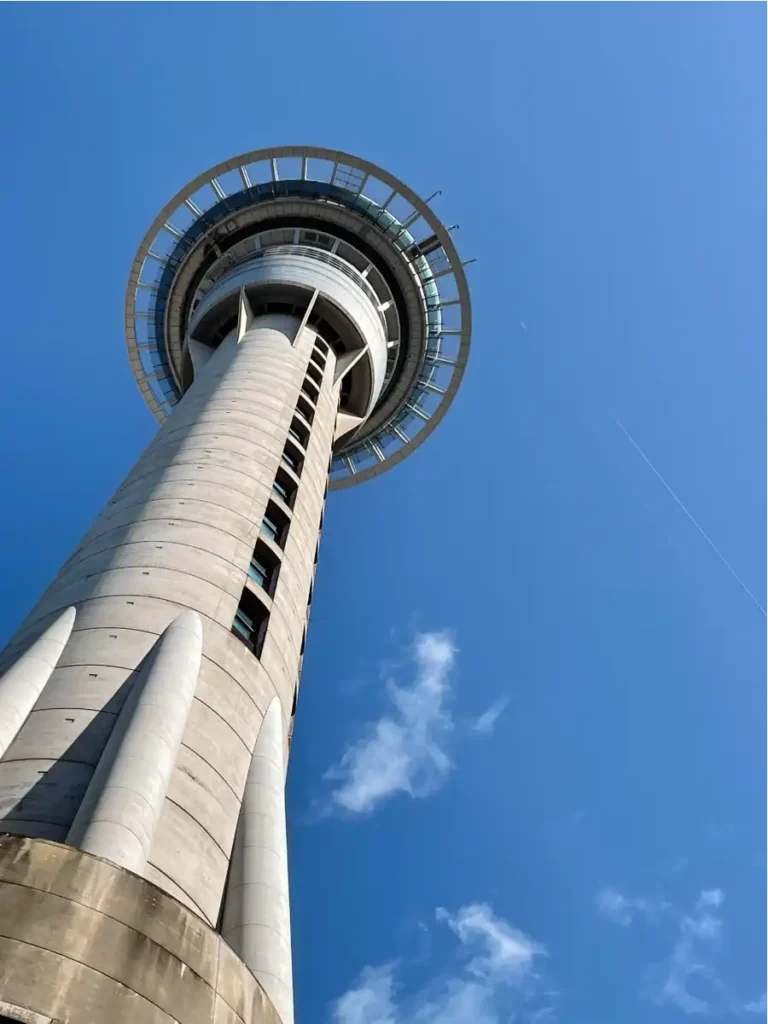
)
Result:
{"points": [[687, 960], [371, 1001], [697, 934], [496, 977], [486, 723], [503, 950], [757, 1005], [614, 906], [406, 749]]}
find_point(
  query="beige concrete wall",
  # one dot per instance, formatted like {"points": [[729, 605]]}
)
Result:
{"points": [[83, 940], [179, 533]]}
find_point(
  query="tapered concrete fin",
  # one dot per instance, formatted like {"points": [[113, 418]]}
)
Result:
{"points": [[257, 916], [244, 314], [346, 361], [123, 802], [25, 680], [199, 354], [345, 422]]}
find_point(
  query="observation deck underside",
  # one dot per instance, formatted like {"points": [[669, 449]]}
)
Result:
{"points": [[338, 209]]}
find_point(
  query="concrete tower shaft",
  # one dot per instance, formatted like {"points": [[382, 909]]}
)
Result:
{"points": [[147, 701]]}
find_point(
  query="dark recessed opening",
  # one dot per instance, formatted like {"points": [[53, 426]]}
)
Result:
{"points": [[299, 432], [275, 524], [314, 374], [251, 620], [293, 457], [305, 409], [310, 389], [264, 567], [284, 487]]}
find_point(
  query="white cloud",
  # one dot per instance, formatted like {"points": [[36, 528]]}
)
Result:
{"points": [[757, 1005], [622, 910], [406, 749], [371, 1001], [496, 978], [690, 964], [698, 932], [687, 959], [486, 723], [504, 951]]}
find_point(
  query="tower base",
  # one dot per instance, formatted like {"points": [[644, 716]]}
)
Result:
{"points": [[84, 940]]}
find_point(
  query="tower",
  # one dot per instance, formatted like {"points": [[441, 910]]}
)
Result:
{"points": [[297, 320]]}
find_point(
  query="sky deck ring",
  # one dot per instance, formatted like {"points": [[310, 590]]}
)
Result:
{"points": [[364, 209]]}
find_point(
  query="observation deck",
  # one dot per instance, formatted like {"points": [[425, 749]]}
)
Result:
{"points": [[339, 243]]}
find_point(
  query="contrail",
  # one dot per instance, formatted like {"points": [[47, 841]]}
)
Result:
{"points": [[651, 466]]}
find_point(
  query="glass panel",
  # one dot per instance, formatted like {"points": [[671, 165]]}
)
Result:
{"points": [[280, 491], [269, 528], [243, 631], [289, 460], [258, 572]]}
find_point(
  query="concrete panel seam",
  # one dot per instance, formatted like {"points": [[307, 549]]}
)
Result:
{"points": [[211, 463], [196, 910], [206, 657], [102, 974], [202, 501], [216, 483], [174, 464], [168, 543], [168, 520], [191, 816], [228, 725], [215, 770], [104, 913], [53, 760]]}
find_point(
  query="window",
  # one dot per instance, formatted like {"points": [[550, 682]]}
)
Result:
{"points": [[306, 410], [275, 524], [321, 346], [264, 568], [258, 572], [309, 389], [284, 488], [250, 624], [292, 457], [299, 432], [314, 374], [318, 357]]}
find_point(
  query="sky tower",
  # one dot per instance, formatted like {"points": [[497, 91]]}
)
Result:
{"points": [[297, 320]]}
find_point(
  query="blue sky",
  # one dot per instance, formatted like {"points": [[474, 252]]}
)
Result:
{"points": [[597, 853]]}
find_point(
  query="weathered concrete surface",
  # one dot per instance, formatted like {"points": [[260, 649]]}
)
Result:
{"points": [[178, 535], [82, 940], [119, 813], [257, 916], [23, 682]]}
